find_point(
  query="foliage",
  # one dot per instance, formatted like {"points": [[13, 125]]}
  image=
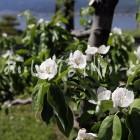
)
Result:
{"points": [[109, 70], [86, 14], [61, 93], [40, 40]]}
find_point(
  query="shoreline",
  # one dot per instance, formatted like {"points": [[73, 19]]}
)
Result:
{"points": [[123, 20]]}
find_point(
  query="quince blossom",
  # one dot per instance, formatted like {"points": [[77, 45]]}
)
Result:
{"points": [[122, 97], [4, 35], [77, 60], [82, 135], [103, 49], [90, 51], [47, 69], [102, 94]]}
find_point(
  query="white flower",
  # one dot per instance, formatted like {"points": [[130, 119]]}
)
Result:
{"points": [[47, 70], [30, 26], [41, 20], [8, 53], [103, 49], [4, 35], [11, 66], [117, 31], [138, 52], [19, 58], [102, 94], [77, 60], [90, 51], [122, 97], [82, 135]]}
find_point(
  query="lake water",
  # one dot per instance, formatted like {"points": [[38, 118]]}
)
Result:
{"points": [[124, 14]]}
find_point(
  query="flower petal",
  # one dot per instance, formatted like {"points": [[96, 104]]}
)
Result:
{"points": [[82, 135], [47, 69], [122, 97], [103, 49], [92, 102], [91, 50], [77, 60], [103, 94]]}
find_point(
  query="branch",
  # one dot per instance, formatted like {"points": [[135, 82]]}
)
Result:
{"points": [[81, 33], [17, 102], [21, 101]]}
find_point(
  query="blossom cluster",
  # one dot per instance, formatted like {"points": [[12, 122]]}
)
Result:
{"points": [[77, 60], [11, 62], [121, 97]]}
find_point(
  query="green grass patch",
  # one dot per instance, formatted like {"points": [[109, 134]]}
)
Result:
{"points": [[19, 123]]}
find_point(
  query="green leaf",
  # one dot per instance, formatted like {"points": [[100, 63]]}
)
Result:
{"points": [[126, 131], [22, 51], [61, 75], [38, 96], [135, 104], [103, 65], [61, 110], [137, 84], [117, 128], [70, 118], [2, 64], [47, 111], [135, 72], [134, 122], [106, 105], [105, 131]]}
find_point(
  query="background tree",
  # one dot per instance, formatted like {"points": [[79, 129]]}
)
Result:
{"points": [[102, 21], [69, 14], [66, 8], [8, 24]]}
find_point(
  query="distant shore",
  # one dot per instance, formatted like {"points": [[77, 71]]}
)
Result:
{"points": [[122, 20]]}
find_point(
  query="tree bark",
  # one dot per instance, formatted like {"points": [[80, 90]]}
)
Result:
{"points": [[69, 13], [102, 21]]}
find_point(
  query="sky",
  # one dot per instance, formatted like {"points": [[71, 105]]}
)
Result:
{"points": [[48, 5]]}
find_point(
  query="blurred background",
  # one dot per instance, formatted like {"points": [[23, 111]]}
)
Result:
{"points": [[19, 46], [124, 14]]}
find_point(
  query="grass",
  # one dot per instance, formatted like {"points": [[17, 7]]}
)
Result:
{"points": [[19, 123]]}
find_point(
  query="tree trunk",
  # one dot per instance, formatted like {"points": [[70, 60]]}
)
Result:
{"points": [[69, 14], [99, 33], [102, 21]]}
